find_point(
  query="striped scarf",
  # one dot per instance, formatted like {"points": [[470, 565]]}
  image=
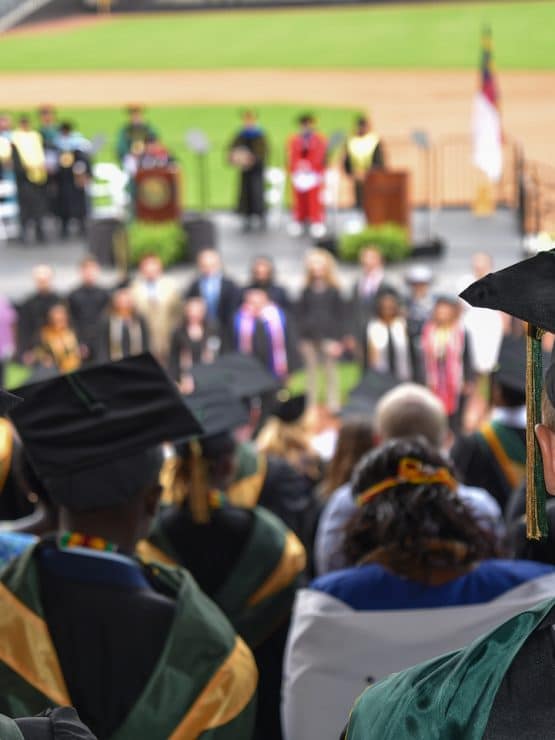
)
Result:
{"points": [[443, 357]]}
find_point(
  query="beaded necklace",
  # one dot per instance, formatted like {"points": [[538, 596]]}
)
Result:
{"points": [[68, 540]]}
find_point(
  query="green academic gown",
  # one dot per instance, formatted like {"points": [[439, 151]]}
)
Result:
{"points": [[8, 729], [203, 685], [452, 697], [258, 593]]}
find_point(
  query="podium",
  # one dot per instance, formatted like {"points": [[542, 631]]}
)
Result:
{"points": [[157, 194], [386, 197]]}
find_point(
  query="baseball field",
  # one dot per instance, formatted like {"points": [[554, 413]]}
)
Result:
{"points": [[411, 67]]}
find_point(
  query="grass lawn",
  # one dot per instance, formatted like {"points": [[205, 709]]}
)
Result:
{"points": [[219, 123], [427, 36], [349, 377]]}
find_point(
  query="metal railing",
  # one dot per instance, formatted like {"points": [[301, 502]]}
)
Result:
{"points": [[443, 175]]}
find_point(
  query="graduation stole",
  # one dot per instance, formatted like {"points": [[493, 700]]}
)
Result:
{"points": [[6, 451], [510, 457]]}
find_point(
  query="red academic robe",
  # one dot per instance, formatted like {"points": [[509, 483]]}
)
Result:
{"points": [[306, 165]]}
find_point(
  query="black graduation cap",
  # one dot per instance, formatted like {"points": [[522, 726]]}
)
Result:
{"points": [[526, 290], [289, 408], [243, 375], [7, 401], [365, 397], [216, 410], [93, 436], [510, 371]]}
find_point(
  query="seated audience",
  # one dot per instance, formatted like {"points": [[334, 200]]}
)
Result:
{"points": [[404, 411], [356, 437], [422, 578], [34, 310]]}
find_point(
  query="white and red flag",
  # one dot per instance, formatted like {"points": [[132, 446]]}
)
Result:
{"points": [[486, 123]]}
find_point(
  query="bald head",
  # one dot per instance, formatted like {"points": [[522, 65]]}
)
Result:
{"points": [[42, 277], [410, 410]]}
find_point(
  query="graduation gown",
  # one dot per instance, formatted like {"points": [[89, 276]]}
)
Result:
{"points": [[252, 573], [139, 650], [352, 628], [87, 305], [492, 458], [500, 687], [251, 190], [74, 171]]}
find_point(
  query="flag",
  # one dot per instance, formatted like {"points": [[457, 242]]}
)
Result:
{"points": [[335, 652], [486, 124]]}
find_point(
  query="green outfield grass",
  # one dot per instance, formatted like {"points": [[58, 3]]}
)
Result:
{"points": [[219, 123], [426, 36]]}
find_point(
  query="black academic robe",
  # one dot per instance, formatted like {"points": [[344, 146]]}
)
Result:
{"points": [[61, 723], [524, 705], [74, 169], [87, 304], [320, 314], [32, 314], [521, 548], [32, 197], [477, 465], [230, 298], [251, 192], [185, 351]]}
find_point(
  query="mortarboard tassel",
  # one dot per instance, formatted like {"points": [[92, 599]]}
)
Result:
{"points": [[536, 520], [198, 490]]}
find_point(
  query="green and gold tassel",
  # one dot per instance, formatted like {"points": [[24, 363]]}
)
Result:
{"points": [[536, 520]]}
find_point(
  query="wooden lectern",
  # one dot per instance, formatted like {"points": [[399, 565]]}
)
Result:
{"points": [[157, 193], [386, 197]]}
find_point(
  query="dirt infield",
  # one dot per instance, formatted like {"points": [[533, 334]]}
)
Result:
{"points": [[399, 102]]}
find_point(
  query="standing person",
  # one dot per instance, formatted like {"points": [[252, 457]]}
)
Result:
{"points": [[73, 175], [48, 130], [29, 164], [249, 152], [59, 346], [221, 295], [156, 298], [8, 321], [6, 160], [389, 347], [320, 323], [133, 135], [364, 153], [34, 310], [193, 342], [123, 333], [262, 329], [447, 358], [306, 164], [363, 299], [87, 304], [141, 650], [263, 277], [420, 301]]}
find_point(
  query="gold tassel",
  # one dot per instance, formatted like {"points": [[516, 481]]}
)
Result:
{"points": [[198, 488]]}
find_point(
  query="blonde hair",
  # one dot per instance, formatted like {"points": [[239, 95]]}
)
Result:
{"points": [[290, 442], [330, 276]]}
